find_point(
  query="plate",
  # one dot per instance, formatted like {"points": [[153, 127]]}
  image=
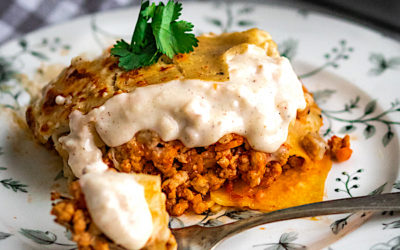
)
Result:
{"points": [[352, 71]]}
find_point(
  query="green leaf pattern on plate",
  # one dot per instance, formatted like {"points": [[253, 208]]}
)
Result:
{"points": [[333, 58], [392, 244], [368, 117], [288, 48], [4, 236], [14, 185], [381, 64], [238, 18], [396, 185], [211, 219], [391, 225], [42, 237], [303, 12], [10, 88], [286, 242], [339, 224], [349, 181]]}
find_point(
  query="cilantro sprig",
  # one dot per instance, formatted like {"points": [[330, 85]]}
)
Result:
{"points": [[157, 32]]}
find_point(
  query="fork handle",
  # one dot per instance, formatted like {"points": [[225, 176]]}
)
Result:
{"points": [[382, 202], [196, 237]]}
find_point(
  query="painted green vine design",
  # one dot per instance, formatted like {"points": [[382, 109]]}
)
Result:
{"points": [[43, 237], [340, 224], [7, 74], [392, 244], [232, 17], [381, 63], [98, 32], [10, 183], [396, 185], [288, 48], [286, 242], [368, 119], [348, 181], [303, 12], [211, 219], [394, 224], [53, 44], [4, 236], [332, 58], [9, 79], [391, 225], [39, 237]]}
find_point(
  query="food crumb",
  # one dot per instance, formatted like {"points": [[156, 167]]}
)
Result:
{"points": [[60, 100]]}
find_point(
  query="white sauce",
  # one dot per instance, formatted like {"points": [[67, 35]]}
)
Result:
{"points": [[117, 205], [84, 156], [60, 100], [259, 102]]}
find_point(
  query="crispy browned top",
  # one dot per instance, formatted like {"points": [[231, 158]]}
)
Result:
{"points": [[88, 84]]}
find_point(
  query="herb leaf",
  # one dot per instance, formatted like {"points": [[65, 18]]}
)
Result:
{"points": [[161, 24], [143, 32], [121, 48], [181, 41], [157, 32], [148, 56]]}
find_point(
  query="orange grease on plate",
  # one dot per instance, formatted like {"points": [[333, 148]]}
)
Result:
{"points": [[293, 188]]}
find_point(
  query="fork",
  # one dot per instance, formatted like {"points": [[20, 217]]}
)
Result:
{"points": [[198, 237]]}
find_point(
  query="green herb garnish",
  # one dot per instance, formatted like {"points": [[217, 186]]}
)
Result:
{"points": [[157, 32]]}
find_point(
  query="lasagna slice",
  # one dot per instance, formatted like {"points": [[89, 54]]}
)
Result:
{"points": [[244, 132]]}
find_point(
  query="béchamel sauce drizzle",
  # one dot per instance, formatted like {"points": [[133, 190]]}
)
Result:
{"points": [[117, 205], [259, 101]]}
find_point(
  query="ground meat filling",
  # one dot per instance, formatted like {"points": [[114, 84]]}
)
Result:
{"points": [[189, 174], [340, 148], [72, 213]]}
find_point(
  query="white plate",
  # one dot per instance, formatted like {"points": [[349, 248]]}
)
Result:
{"points": [[354, 73]]}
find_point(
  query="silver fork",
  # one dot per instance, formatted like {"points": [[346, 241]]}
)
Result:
{"points": [[197, 237]]}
